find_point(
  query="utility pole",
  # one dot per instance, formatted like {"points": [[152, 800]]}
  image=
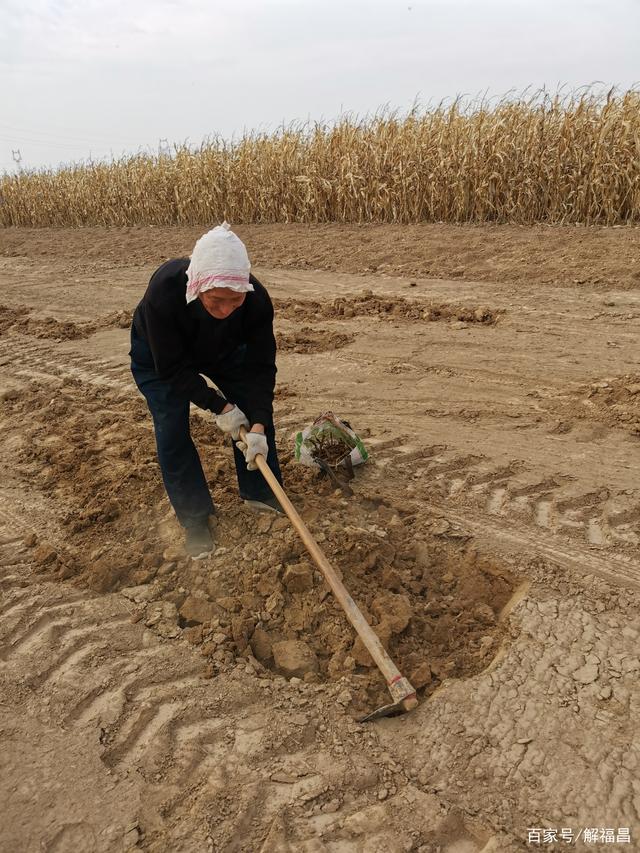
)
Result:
{"points": [[17, 158], [164, 149]]}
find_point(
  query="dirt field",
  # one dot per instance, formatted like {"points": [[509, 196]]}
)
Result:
{"points": [[492, 539]]}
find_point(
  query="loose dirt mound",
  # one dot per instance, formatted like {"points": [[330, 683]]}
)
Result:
{"points": [[368, 305], [434, 605], [308, 340], [17, 320], [10, 316], [616, 401]]}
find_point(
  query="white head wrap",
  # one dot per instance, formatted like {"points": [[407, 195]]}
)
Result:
{"points": [[219, 259]]}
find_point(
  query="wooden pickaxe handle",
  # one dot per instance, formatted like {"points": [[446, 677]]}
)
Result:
{"points": [[401, 690]]}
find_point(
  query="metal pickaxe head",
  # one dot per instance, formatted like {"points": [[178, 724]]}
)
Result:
{"points": [[405, 700]]}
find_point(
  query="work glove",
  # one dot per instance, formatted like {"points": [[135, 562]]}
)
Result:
{"points": [[231, 422], [254, 443]]}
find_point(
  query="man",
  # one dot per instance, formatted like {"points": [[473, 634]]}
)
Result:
{"points": [[208, 315]]}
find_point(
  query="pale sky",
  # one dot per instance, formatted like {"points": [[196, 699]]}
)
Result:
{"points": [[91, 78]]}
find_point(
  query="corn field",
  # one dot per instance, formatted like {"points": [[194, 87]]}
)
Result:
{"points": [[571, 159]]}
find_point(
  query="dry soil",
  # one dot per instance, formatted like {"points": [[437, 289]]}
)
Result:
{"points": [[152, 702]]}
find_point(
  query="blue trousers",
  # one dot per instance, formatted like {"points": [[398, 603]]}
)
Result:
{"points": [[179, 462]]}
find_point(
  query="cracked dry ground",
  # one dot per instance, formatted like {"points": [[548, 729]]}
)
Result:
{"points": [[492, 540]]}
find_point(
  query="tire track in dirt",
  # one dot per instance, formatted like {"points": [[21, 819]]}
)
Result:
{"points": [[54, 653], [73, 650], [84, 660], [157, 722], [519, 506], [43, 361], [86, 663]]}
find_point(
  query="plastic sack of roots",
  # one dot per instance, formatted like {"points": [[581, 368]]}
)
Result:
{"points": [[330, 444]]}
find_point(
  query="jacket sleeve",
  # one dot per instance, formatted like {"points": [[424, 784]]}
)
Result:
{"points": [[172, 362], [260, 363]]}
